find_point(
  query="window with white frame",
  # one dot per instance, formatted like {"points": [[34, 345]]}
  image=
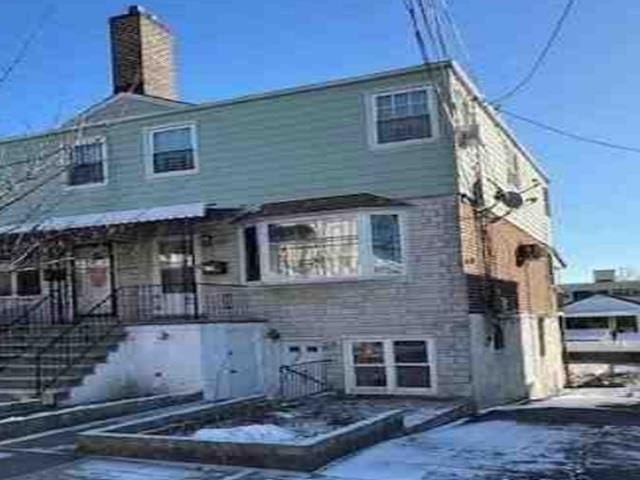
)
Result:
{"points": [[324, 247], [25, 282], [172, 150], [390, 365], [88, 163], [403, 116]]}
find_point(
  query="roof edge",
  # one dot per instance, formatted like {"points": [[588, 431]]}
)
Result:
{"points": [[236, 100]]}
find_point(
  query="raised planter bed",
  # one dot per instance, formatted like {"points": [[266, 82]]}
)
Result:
{"points": [[71, 416], [174, 436]]}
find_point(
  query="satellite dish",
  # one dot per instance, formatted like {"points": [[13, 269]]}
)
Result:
{"points": [[511, 199]]}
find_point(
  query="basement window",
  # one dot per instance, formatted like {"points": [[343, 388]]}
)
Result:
{"points": [[346, 246], [389, 365], [172, 150], [88, 163]]}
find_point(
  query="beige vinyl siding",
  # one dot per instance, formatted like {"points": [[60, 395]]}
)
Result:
{"points": [[490, 157]]}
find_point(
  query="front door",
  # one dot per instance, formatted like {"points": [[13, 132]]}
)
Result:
{"points": [[176, 275], [93, 280]]}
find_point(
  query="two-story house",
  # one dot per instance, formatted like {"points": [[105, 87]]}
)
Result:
{"points": [[386, 233]]}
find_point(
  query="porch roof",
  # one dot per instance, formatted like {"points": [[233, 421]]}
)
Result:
{"points": [[117, 217], [320, 204], [602, 306]]}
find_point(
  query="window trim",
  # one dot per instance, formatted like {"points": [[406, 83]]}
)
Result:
{"points": [[14, 283], [513, 170], [372, 117], [149, 132], [389, 364], [365, 270], [105, 158]]}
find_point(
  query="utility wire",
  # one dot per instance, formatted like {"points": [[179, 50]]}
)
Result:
{"points": [[25, 45], [568, 134], [543, 54]]}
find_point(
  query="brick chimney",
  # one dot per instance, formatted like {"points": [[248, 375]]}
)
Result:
{"points": [[142, 55]]}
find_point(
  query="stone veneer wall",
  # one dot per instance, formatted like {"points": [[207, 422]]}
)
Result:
{"points": [[430, 302]]}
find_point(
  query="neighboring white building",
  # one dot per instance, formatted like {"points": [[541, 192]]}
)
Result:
{"points": [[605, 282], [602, 323]]}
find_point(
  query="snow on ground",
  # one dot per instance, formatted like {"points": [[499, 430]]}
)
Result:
{"points": [[462, 451], [247, 434], [588, 398]]}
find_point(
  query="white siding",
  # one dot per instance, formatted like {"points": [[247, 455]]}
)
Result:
{"points": [[490, 157]]}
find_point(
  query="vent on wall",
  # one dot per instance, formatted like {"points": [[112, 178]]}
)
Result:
{"points": [[527, 252], [469, 135]]}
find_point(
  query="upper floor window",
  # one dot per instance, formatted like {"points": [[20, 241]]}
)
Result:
{"points": [[325, 247], [172, 150], [403, 116], [514, 176], [88, 163]]}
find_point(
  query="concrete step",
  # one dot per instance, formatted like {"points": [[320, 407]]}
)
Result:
{"points": [[95, 356], [29, 383], [25, 370], [14, 394], [70, 345]]}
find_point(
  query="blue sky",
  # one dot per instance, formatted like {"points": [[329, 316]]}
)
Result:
{"points": [[588, 84]]}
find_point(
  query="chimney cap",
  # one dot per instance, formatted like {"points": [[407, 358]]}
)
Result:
{"points": [[136, 10]]}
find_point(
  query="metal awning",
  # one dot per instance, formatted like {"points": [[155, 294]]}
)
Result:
{"points": [[602, 305], [118, 217]]}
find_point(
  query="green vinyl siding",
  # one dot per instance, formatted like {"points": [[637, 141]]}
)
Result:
{"points": [[305, 144]]}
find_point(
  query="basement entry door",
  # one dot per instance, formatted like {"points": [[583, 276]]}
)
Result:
{"points": [[244, 376]]}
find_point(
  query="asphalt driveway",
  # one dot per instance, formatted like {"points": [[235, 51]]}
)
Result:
{"points": [[586, 435]]}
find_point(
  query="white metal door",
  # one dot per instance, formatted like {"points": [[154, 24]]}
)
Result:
{"points": [[244, 373], [301, 352]]}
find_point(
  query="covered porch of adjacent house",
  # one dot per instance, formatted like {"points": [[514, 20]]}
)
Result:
{"points": [[600, 332], [180, 266]]}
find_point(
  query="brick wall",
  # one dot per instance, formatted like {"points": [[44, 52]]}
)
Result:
{"points": [[529, 362], [142, 55], [527, 288]]}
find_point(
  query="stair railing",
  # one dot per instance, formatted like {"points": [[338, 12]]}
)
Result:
{"points": [[35, 318], [73, 344], [304, 379]]}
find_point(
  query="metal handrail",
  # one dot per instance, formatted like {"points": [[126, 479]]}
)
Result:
{"points": [[18, 320], [311, 384], [86, 320]]}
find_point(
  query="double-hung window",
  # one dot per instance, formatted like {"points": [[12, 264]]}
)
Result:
{"points": [[349, 245], [87, 164], [172, 150], [404, 116], [389, 365], [24, 282]]}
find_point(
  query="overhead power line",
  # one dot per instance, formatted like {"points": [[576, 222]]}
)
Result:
{"points": [[572, 135], [543, 54], [21, 54]]}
